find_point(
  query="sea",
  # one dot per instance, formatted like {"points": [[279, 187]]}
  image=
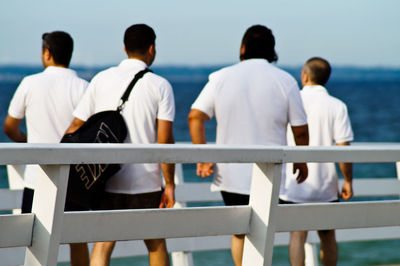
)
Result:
{"points": [[371, 94]]}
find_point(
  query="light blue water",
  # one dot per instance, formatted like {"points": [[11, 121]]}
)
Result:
{"points": [[372, 96]]}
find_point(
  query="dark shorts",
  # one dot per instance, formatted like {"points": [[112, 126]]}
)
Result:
{"points": [[72, 207], [117, 201], [27, 201], [281, 201], [232, 199]]}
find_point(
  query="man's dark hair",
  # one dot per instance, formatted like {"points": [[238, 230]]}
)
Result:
{"points": [[138, 38], [318, 70], [60, 45], [259, 42]]}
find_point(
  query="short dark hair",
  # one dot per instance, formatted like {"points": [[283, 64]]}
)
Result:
{"points": [[138, 38], [60, 45], [259, 42], [318, 70]]}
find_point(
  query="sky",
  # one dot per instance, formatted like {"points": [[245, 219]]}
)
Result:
{"points": [[363, 33]]}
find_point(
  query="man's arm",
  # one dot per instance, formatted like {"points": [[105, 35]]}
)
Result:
{"points": [[75, 125], [11, 128], [165, 135], [347, 172], [196, 120], [301, 137]]}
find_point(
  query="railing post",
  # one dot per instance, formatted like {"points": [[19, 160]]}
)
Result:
{"points": [[180, 258], [311, 251], [48, 207], [264, 195]]}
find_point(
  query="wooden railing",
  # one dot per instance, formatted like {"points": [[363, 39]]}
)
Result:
{"points": [[259, 221]]}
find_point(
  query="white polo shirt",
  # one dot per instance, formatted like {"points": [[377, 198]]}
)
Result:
{"points": [[47, 100], [253, 101], [328, 123], [152, 98]]}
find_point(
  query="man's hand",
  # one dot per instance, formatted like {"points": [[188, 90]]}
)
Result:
{"points": [[205, 169], [168, 197], [303, 172], [347, 191]]}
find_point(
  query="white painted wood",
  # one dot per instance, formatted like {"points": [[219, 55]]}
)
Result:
{"points": [[48, 207], [264, 195], [180, 258], [15, 230], [364, 187], [15, 175], [10, 199], [370, 214], [143, 224], [196, 192], [311, 251], [322, 216], [18, 153]]}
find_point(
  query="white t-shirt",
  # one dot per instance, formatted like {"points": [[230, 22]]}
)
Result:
{"points": [[328, 123], [253, 101], [152, 98], [47, 100]]}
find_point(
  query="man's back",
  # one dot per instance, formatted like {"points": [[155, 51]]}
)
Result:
{"points": [[151, 99], [47, 100], [328, 123], [252, 103]]}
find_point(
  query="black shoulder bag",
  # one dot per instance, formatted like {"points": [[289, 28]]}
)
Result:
{"points": [[86, 181]]}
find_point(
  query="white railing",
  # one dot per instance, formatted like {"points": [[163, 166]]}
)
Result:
{"points": [[259, 221]]}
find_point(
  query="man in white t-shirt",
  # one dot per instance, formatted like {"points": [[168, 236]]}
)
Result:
{"points": [[149, 114], [329, 124], [47, 100], [253, 102]]}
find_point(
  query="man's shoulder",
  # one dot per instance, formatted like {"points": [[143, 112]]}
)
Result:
{"points": [[338, 103], [156, 80]]}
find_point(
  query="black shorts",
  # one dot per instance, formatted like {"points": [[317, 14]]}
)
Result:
{"points": [[118, 201], [232, 199], [281, 201], [27, 201]]}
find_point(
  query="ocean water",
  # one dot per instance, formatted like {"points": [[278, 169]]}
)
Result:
{"points": [[372, 97]]}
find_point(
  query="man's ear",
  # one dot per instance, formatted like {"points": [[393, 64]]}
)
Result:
{"points": [[47, 55], [152, 50], [242, 51], [305, 78]]}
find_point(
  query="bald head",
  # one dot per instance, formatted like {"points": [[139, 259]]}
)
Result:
{"points": [[317, 71]]}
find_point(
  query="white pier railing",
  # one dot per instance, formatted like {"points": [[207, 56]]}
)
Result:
{"points": [[48, 226]]}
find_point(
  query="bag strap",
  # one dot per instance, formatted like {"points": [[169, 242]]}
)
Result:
{"points": [[128, 90]]}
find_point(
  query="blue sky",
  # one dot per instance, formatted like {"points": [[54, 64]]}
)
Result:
{"points": [[346, 32]]}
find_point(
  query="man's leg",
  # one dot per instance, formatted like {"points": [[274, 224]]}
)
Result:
{"points": [[328, 251], [158, 255], [101, 253], [79, 254], [237, 249], [296, 248]]}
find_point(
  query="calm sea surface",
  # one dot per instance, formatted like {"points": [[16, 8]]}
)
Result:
{"points": [[372, 97]]}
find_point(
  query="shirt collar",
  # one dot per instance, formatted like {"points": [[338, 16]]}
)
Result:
{"points": [[315, 88], [133, 63], [59, 70]]}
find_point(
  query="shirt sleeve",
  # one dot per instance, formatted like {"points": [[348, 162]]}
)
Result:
{"points": [[19, 101], [296, 115], [205, 102], [342, 128], [86, 106], [166, 105]]}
